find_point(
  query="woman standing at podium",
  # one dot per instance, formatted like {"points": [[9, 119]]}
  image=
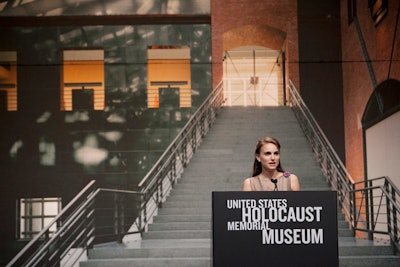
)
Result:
{"points": [[268, 174]]}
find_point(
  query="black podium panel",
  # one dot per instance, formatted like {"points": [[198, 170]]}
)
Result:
{"points": [[275, 229]]}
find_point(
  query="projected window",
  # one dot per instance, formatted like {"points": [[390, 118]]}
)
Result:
{"points": [[379, 9], [351, 10], [8, 80], [35, 214], [82, 86], [168, 68]]}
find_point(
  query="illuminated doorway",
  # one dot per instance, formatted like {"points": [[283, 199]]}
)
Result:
{"points": [[253, 76], [8, 81], [168, 67], [381, 125], [83, 79]]}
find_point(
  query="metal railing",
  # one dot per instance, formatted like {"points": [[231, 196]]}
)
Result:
{"points": [[371, 206], [90, 215], [158, 182], [97, 215]]}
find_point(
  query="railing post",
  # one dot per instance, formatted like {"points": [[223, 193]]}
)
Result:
{"points": [[184, 153], [173, 170], [119, 217], [91, 226], [194, 137], [143, 221], [369, 202], [391, 216], [353, 207], [395, 226], [159, 191]]}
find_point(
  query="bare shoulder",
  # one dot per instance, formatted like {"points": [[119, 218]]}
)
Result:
{"points": [[246, 186], [295, 183]]}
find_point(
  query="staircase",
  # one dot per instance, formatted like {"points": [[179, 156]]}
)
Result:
{"points": [[180, 234]]}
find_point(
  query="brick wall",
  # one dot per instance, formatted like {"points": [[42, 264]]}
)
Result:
{"points": [[357, 83]]}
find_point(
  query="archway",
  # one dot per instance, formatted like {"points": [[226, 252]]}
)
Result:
{"points": [[254, 66], [381, 126]]}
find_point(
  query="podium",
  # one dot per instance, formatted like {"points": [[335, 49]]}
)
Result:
{"points": [[253, 229]]}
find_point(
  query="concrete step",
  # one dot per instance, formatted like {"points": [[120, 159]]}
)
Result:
{"points": [[185, 211], [182, 218], [343, 224], [177, 234], [202, 186], [161, 252], [175, 226], [222, 182], [344, 232], [365, 250], [369, 261], [187, 197], [149, 262], [187, 204]]}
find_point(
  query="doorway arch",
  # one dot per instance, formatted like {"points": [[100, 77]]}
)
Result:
{"points": [[254, 66], [381, 127]]}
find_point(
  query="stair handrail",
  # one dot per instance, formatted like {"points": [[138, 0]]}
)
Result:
{"points": [[164, 174], [45, 232], [75, 232], [357, 200]]}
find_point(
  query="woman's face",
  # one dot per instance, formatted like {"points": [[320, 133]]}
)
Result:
{"points": [[269, 156]]}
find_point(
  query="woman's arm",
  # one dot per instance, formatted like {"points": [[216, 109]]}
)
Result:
{"points": [[294, 182]]}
